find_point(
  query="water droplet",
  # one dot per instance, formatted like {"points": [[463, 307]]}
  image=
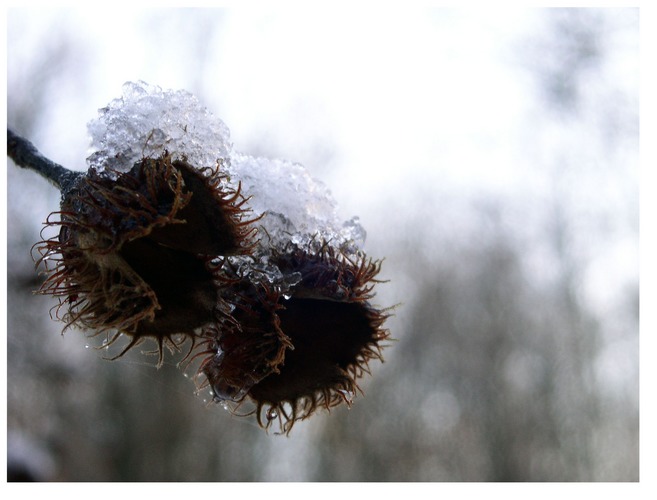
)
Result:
{"points": [[348, 396]]}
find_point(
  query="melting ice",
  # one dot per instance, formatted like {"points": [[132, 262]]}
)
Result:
{"points": [[146, 120]]}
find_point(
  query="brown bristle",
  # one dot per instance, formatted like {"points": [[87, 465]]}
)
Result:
{"points": [[133, 251], [248, 346], [333, 344], [325, 332]]}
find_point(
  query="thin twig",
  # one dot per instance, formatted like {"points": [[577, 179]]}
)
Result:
{"points": [[26, 155]]}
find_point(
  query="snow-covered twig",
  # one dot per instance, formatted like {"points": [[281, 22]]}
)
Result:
{"points": [[26, 155]]}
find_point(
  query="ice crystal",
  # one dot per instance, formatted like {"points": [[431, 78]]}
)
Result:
{"points": [[147, 121]]}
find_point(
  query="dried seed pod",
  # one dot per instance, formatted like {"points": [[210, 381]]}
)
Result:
{"points": [[134, 249], [247, 346], [327, 330]]}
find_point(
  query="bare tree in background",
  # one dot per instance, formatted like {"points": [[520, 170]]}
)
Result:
{"points": [[494, 376]]}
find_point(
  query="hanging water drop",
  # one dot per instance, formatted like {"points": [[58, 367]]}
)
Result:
{"points": [[348, 396]]}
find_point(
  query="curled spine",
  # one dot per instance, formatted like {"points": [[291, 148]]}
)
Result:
{"points": [[328, 274], [235, 204], [102, 213], [246, 346]]}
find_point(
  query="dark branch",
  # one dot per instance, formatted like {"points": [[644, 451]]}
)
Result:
{"points": [[26, 155]]}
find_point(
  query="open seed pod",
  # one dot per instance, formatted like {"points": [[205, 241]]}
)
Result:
{"points": [[303, 349], [134, 250], [246, 346]]}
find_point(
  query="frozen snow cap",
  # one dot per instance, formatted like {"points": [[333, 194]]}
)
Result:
{"points": [[296, 207], [147, 121]]}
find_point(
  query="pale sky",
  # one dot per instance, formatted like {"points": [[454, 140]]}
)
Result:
{"points": [[405, 113]]}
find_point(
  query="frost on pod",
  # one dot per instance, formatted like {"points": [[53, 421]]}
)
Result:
{"points": [[172, 236]]}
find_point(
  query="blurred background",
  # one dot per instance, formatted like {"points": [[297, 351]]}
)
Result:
{"points": [[492, 156]]}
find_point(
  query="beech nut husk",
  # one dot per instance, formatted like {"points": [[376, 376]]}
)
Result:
{"points": [[134, 250], [295, 352]]}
